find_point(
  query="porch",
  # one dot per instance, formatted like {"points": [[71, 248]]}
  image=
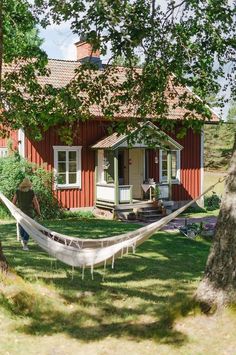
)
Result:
{"points": [[123, 170]]}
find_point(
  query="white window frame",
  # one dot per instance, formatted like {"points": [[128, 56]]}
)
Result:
{"points": [[178, 164], [3, 152], [67, 149]]}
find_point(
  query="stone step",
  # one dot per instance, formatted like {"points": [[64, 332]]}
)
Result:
{"points": [[149, 213], [147, 209], [151, 219]]}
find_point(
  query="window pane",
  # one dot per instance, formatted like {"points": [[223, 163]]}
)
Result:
{"points": [[61, 156], [164, 155], [164, 174], [61, 167], [173, 174], [164, 165], [62, 179], [174, 158], [174, 165], [72, 156], [72, 167], [72, 178], [3, 152], [109, 172]]}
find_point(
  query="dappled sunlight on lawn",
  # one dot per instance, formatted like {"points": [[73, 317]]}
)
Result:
{"points": [[139, 299]]}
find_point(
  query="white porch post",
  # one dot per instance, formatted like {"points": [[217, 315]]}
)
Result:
{"points": [[21, 142], [116, 177], [169, 172]]}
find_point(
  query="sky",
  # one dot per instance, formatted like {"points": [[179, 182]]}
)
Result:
{"points": [[59, 41]]}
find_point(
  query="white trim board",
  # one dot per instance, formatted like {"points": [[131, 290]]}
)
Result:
{"points": [[21, 142]]}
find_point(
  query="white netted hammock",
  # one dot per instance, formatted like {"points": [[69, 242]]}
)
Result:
{"points": [[84, 252]]}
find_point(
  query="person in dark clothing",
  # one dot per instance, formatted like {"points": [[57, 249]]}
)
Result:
{"points": [[27, 201]]}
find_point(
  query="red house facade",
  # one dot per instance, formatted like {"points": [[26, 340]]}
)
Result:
{"points": [[102, 170]]}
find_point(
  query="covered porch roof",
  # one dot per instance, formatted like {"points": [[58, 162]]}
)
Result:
{"points": [[146, 136]]}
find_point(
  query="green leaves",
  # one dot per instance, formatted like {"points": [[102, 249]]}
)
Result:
{"points": [[184, 43]]}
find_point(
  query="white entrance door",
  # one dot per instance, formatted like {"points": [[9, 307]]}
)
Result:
{"points": [[136, 171]]}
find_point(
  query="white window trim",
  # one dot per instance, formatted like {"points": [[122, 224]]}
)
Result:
{"points": [[77, 149], [3, 152], [178, 164]]}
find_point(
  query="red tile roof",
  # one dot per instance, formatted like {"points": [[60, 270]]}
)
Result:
{"points": [[63, 71]]}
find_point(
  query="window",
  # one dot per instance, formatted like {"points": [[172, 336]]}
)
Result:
{"points": [[67, 165], [175, 171], [3, 152], [109, 172]]}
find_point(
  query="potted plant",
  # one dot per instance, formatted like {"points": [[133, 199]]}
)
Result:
{"points": [[156, 198]]}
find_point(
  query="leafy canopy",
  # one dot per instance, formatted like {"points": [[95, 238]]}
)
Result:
{"points": [[24, 102], [181, 43]]}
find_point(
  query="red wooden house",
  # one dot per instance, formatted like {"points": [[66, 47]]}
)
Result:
{"points": [[103, 170]]}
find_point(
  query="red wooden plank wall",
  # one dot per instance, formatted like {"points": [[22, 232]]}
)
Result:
{"points": [[92, 131], [42, 152]]}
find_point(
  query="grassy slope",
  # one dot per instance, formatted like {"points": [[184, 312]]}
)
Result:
{"points": [[137, 308], [218, 143]]}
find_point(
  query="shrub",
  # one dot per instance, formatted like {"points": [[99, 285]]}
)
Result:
{"points": [[13, 169], [212, 202]]}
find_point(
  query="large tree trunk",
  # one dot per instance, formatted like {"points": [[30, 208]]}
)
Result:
{"points": [[3, 261], [218, 286]]}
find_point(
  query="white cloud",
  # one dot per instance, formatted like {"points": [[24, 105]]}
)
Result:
{"points": [[58, 42]]}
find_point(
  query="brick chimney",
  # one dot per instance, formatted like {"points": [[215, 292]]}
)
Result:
{"points": [[85, 52]]}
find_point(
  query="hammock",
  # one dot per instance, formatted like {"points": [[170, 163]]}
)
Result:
{"points": [[90, 252]]}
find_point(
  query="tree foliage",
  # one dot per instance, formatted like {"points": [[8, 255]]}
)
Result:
{"points": [[231, 117], [24, 101], [181, 43]]}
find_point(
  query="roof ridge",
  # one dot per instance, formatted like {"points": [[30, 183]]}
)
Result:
{"points": [[64, 60]]}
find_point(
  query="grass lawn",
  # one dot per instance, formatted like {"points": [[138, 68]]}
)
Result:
{"points": [[211, 178], [143, 306]]}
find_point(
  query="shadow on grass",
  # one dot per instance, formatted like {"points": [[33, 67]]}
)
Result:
{"points": [[140, 299]]}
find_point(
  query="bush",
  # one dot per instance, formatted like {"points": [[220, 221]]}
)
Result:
{"points": [[13, 169], [212, 202]]}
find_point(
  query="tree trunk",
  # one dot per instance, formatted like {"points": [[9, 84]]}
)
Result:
{"points": [[218, 286], [3, 261]]}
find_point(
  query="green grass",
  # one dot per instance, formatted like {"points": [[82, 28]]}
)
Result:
{"points": [[138, 307], [212, 178], [218, 144]]}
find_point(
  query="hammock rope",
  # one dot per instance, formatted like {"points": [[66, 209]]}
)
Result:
{"points": [[87, 252]]}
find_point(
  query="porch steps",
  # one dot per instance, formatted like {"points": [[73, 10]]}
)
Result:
{"points": [[134, 205], [142, 211], [149, 214]]}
